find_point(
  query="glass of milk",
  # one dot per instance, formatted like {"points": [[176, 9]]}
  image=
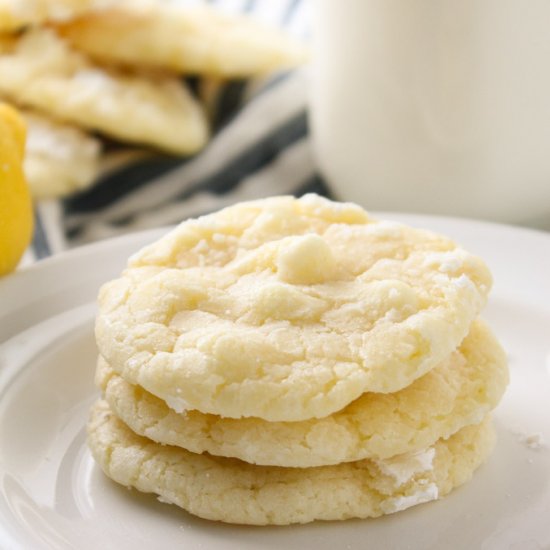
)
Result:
{"points": [[435, 106]]}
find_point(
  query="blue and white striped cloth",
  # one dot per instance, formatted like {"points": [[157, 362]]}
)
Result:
{"points": [[260, 148]]}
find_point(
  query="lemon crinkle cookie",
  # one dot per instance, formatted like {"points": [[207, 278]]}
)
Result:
{"points": [[187, 39], [229, 490], [287, 309], [15, 14], [39, 70], [60, 158], [457, 393]]}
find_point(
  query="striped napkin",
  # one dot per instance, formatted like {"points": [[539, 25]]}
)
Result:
{"points": [[260, 147]]}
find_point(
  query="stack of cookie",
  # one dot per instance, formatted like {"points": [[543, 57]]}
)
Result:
{"points": [[114, 68], [288, 360]]}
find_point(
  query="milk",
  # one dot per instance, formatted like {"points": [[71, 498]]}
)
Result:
{"points": [[437, 106]]}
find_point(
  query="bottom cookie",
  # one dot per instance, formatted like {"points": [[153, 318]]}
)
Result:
{"points": [[233, 491]]}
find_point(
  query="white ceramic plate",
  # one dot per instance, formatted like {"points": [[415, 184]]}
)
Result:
{"points": [[53, 496]]}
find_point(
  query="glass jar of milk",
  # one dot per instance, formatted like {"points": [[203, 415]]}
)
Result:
{"points": [[437, 106]]}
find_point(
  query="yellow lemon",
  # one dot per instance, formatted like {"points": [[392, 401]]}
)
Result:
{"points": [[15, 202]]}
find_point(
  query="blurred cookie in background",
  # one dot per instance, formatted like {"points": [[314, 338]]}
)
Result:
{"points": [[60, 158], [39, 70], [16, 14], [184, 39]]}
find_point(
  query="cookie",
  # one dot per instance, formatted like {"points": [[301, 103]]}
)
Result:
{"points": [[15, 14], [196, 40], [233, 491], [287, 309], [60, 158], [40, 71], [455, 394]]}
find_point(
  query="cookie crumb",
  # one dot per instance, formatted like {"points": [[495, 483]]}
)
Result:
{"points": [[534, 441]]}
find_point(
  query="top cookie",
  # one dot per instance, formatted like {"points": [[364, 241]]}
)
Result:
{"points": [[287, 309]]}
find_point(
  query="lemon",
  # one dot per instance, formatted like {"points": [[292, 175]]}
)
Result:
{"points": [[15, 202]]}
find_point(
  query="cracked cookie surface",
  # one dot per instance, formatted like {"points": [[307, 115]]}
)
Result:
{"points": [[230, 490], [455, 394], [287, 309]]}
